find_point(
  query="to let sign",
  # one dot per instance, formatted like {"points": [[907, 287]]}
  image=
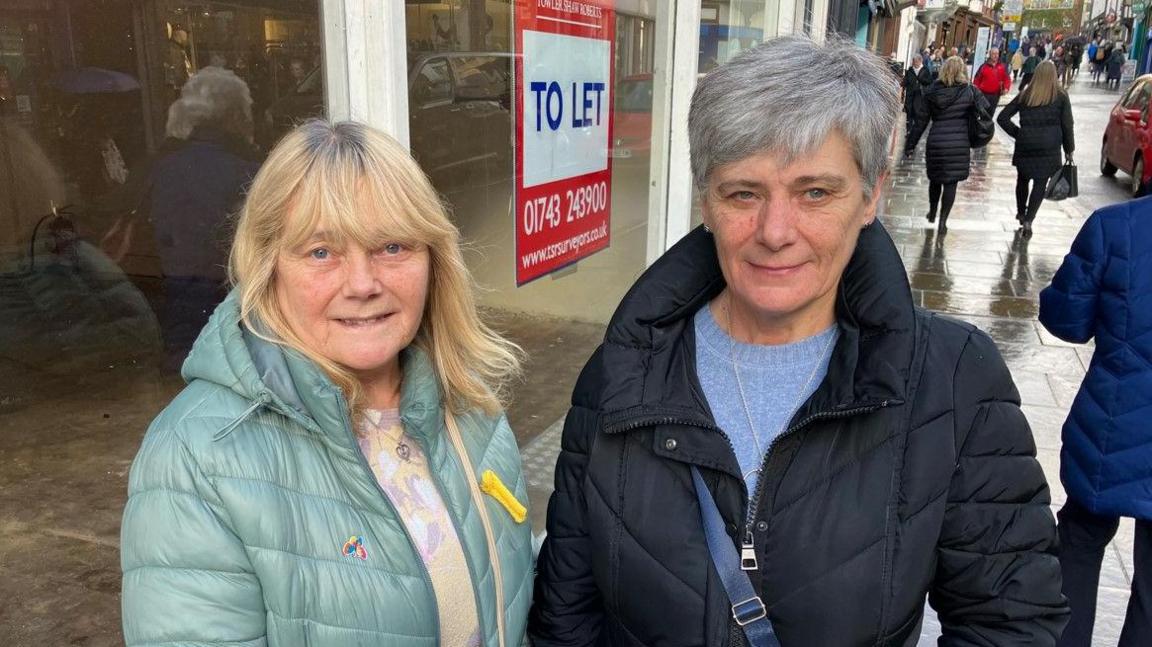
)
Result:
{"points": [[563, 129]]}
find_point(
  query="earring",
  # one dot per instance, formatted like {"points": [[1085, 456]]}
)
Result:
{"points": [[707, 230]]}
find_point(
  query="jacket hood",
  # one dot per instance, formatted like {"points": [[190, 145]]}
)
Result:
{"points": [[940, 95], [271, 375], [648, 362]]}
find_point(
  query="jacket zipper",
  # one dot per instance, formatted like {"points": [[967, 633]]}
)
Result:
{"points": [[346, 418], [748, 560], [478, 501]]}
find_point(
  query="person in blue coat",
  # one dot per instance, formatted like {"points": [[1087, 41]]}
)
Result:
{"points": [[1103, 291]]}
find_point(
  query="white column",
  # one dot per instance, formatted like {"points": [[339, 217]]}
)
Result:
{"points": [[819, 20], [365, 63], [685, 59]]}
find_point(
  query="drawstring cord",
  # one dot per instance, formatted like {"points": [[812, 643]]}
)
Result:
{"points": [[261, 400]]}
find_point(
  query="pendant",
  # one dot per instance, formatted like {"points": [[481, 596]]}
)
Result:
{"points": [[404, 451]]}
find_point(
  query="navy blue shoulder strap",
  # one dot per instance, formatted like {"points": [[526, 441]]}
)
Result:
{"points": [[747, 608]]}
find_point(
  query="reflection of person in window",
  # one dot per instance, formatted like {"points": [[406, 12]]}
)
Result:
{"points": [[196, 180], [177, 65], [460, 33]]}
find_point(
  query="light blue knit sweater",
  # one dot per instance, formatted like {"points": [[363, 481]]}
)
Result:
{"points": [[776, 381]]}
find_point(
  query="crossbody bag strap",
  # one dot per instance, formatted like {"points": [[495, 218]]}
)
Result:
{"points": [[747, 608]]}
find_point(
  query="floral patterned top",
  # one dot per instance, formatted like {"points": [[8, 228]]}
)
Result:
{"points": [[402, 471]]}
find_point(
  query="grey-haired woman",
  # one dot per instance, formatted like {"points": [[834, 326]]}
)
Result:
{"points": [[769, 404]]}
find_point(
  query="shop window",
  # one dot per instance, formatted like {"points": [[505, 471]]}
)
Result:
{"points": [[118, 185]]}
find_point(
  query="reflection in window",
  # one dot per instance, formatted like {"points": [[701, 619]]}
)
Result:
{"points": [[128, 131], [433, 83]]}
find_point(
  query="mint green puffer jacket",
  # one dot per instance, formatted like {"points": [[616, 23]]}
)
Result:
{"points": [[250, 482]]}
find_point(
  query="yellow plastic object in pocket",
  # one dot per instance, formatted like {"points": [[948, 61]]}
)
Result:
{"points": [[491, 485]]}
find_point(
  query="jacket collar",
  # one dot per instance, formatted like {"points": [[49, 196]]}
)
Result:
{"points": [[649, 348], [227, 353]]}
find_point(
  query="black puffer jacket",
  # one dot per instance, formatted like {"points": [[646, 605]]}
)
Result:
{"points": [[1041, 133], [910, 470], [948, 151]]}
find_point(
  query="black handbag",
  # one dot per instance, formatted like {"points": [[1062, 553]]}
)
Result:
{"points": [[1063, 184], [981, 128]]}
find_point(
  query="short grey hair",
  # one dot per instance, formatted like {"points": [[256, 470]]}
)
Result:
{"points": [[213, 97], [786, 96]]}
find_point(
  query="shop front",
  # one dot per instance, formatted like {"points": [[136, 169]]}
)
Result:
{"points": [[108, 266], [129, 129]]}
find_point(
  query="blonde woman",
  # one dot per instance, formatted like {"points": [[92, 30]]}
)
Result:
{"points": [[338, 470], [1045, 126], [950, 99]]}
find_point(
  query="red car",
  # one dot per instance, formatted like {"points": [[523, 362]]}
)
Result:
{"points": [[1127, 142]]}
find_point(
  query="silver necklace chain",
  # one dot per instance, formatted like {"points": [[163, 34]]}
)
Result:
{"points": [[744, 401]]}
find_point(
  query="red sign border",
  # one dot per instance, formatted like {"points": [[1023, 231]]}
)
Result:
{"points": [[528, 17]]}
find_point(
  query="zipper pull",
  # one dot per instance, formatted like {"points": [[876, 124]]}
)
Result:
{"points": [[748, 552]]}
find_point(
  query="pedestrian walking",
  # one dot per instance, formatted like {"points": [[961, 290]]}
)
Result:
{"points": [[1045, 126], [916, 80], [1017, 64], [1101, 292], [929, 64], [992, 79], [318, 482], [1116, 67], [1077, 55], [950, 100], [1093, 63], [804, 450], [1061, 64], [1071, 62], [1029, 67]]}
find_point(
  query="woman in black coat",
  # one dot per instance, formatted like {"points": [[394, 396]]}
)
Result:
{"points": [[852, 453], [1115, 63], [1045, 126], [950, 101]]}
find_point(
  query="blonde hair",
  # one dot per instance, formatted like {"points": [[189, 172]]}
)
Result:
{"points": [[325, 174], [1043, 89], [954, 71]]}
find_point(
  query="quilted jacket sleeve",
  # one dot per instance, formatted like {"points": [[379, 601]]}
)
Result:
{"points": [[187, 577], [1067, 126], [567, 609], [997, 578], [1005, 117], [1068, 307]]}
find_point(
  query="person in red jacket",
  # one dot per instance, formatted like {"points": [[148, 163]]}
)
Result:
{"points": [[993, 78]]}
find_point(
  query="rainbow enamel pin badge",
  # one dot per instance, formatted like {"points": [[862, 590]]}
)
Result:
{"points": [[354, 547]]}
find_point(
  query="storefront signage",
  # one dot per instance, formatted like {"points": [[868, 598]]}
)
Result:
{"points": [[1011, 12], [563, 129]]}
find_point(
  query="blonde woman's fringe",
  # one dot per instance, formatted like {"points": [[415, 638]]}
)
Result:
{"points": [[329, 170]]}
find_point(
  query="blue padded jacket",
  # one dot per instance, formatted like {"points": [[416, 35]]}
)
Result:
{"points": [[1103, 291]]}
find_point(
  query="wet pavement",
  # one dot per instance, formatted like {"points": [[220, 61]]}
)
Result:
{"points": [[66, 442], [984, 272]]}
